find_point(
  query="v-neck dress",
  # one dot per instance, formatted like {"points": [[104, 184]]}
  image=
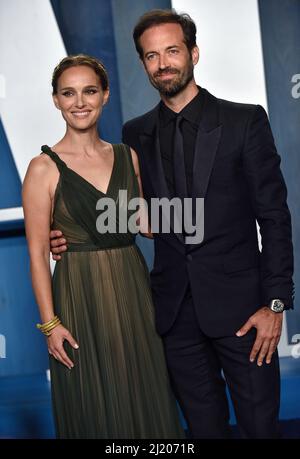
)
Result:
{"points": [[119, 386]]}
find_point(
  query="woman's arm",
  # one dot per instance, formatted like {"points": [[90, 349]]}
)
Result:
{"points": [[37, 204], [137, 173], [37, 212]]}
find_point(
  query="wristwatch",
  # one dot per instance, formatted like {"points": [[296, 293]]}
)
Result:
{"points": [[276, 305]]}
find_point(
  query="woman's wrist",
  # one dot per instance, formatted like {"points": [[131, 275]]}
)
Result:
{"points": [[47, 327]]}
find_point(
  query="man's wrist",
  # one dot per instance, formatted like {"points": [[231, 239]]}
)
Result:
{"points": [[276, 305]]}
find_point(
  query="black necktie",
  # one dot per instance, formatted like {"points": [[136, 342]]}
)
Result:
{"points": [[178, 162], [179, 171]]}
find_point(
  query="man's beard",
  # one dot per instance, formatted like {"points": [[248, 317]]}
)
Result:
{"points": [[177, 84]]}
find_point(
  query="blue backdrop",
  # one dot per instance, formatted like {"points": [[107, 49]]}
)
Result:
{"points": [[102, 29], [280, 31]]}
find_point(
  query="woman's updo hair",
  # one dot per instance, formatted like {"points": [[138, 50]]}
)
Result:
{"points": [[80, 59]]}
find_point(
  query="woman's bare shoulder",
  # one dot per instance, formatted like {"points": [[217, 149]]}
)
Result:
{"points": [[41, 171], [41, 164]]}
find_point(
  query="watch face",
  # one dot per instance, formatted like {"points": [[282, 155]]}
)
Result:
{"points": [[277, 306]]}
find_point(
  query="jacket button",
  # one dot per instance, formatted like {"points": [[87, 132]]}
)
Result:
{"points": [[189, 257]]}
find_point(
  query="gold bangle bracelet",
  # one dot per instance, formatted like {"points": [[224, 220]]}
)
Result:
{"points": [[49, 322], [49, 326], [47, 332], [45, 327]]}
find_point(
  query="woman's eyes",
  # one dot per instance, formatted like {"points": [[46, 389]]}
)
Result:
{"points": [[91, 91], [87, 91]]}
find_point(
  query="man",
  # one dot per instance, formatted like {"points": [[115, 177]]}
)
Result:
{"points": [[219, 303]]}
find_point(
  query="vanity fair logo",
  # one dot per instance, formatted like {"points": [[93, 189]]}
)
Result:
{"points": [[166, 215], [296, 88]]}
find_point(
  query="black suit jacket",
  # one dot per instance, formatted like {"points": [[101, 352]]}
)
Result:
{"points": [[237, 172]]}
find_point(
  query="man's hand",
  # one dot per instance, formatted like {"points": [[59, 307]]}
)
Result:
{"points": [[57, 244], [268, 325]]}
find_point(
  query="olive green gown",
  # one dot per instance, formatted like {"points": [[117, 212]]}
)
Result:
{"points": [[119, 385]]}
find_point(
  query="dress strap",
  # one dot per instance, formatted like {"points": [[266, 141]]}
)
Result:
{"points": [[54, 156], [128, 155]]}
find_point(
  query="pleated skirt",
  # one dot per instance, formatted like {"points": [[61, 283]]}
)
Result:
{"points": [[119, 386]]}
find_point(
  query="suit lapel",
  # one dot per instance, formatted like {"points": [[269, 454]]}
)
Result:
{"points": [[152, 157], [207, 141], [205, 152]]}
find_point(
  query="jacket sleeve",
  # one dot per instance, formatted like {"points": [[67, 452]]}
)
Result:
{"points": [[261, 164]]}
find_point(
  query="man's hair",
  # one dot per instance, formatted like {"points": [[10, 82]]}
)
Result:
{"points": [[157, 17]]}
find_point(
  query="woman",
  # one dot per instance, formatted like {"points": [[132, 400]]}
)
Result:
{"points": [[108, 374]]}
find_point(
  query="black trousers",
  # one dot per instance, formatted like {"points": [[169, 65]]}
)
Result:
{"points": [[197, 363]]}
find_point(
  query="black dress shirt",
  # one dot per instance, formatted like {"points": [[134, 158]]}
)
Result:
{"points": [[191, 114]]}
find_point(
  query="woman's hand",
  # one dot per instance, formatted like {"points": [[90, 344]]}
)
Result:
{"points": [[55, 345]]}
